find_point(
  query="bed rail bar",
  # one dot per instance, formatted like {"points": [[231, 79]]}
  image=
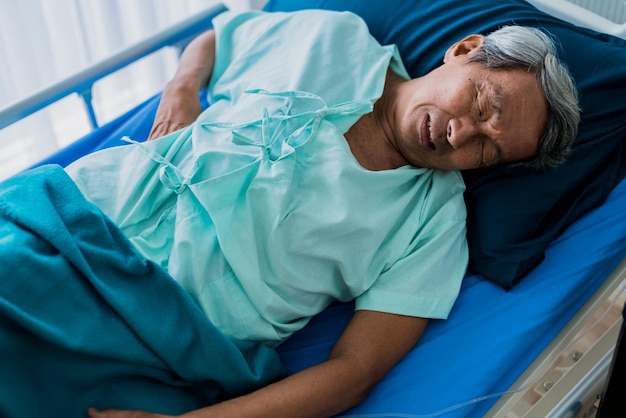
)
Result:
{"points": [[81, 83], [580, 16]]}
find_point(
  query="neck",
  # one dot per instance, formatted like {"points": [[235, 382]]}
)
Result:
{"points": [[371, 138]]}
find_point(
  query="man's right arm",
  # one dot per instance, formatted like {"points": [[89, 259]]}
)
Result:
{"points": [[180, 103]]}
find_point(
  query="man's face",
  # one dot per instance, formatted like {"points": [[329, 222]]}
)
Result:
{"points": [[462, 115]]}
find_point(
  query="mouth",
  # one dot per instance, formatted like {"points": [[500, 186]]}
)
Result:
{"points": [[425, 134]]}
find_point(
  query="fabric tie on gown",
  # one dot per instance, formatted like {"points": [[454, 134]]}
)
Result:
{"points": [[275, 140], [274, 135], [169, 175]]}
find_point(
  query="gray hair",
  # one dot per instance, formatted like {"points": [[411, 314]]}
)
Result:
{"points": [[530, 49]]}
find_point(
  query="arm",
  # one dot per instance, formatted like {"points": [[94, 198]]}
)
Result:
{"points": [[180, 104], [372, 343]]}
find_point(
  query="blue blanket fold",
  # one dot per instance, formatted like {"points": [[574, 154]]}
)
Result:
{"points": [[85, 321]]}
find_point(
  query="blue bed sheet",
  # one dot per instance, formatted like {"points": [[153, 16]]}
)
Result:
{"points": [[491, 336]]}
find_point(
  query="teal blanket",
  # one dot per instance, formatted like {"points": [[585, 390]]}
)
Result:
{"points": [[85, 321]]}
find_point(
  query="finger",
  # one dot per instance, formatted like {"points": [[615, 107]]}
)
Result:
{"points": [[117, 413], [94, 413], [106, 413], [157, 132], [162, 129]]}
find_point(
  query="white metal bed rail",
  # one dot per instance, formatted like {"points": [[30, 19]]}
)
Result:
{"points": [[178, 35]]}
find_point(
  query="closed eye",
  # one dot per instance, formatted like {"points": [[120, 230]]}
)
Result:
{"points": [[491, 152], [488, 99], [482, 154], [480, 114]]}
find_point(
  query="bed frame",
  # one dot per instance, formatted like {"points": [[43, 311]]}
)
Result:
{"points": [[571, 374], [569, 377], [81, 83]]}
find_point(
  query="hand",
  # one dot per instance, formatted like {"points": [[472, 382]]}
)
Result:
{"points": [[180, 102], [177, 109], [116, 413]]}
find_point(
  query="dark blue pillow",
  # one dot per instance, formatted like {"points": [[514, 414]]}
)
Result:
{"points": [[514, 214]]}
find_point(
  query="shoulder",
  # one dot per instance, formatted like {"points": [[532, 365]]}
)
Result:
{"points": [[446, 184], [318, 21], [444, 199], [314, 15]]}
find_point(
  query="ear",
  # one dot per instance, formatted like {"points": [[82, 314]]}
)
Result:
{"points": [[464, 48]]}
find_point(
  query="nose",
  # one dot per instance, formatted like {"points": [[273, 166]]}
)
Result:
{"points": [[462, 131]]}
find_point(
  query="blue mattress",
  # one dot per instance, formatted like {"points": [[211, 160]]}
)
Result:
{"points": [[492, 334]]}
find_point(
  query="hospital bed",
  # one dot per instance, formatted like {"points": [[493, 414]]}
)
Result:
{"points": [[536, 339]]}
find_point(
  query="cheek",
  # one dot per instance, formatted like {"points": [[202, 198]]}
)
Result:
{"points": [[466, 159], [456, 88]]}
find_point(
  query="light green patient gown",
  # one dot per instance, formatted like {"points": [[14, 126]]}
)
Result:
{"points": [[260, 211]]}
